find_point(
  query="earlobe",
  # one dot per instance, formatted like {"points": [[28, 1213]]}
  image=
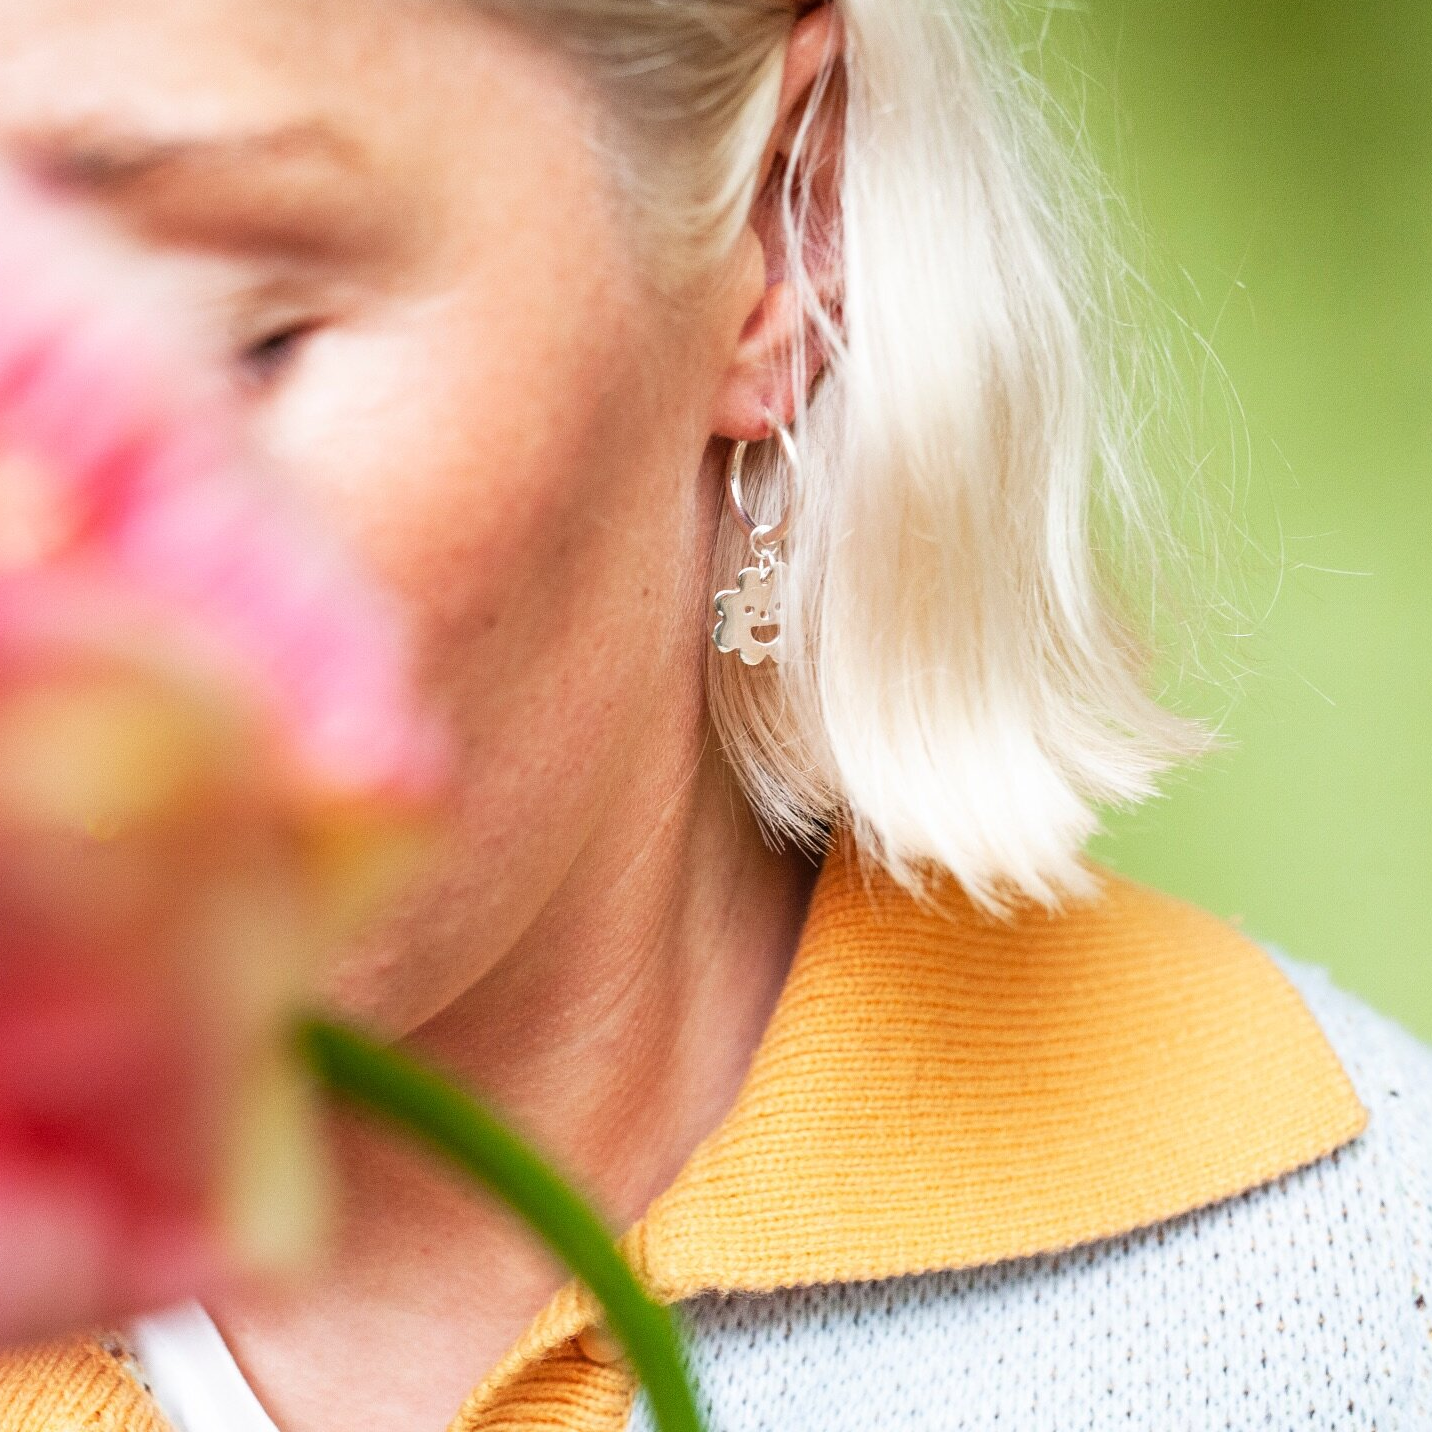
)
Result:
{"points": [[760, 375]]}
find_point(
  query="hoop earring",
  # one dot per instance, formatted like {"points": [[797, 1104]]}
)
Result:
{"points": [[754, 604]]}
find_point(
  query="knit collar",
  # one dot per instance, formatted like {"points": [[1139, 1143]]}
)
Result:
{"points": [[944, 1090]]}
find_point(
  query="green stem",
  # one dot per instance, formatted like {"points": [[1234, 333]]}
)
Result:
{"points": [[390, 1084]]}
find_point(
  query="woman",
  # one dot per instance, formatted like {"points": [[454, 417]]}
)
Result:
{"points": [[510, 286]]}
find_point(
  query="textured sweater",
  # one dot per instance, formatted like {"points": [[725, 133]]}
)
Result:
{"points": [[1122, 1167]]}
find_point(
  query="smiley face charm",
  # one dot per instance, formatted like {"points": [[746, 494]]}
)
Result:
{"points": [[753, 606]]}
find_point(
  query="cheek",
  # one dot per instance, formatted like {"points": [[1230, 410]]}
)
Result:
{"points": [[439, 461], [474, 471], [511, 466], [473, 468]]}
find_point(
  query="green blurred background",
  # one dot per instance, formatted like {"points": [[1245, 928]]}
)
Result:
{"points": [[1277, 155]]}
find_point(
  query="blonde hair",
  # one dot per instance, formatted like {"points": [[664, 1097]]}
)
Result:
{"points": [[963, 683]]}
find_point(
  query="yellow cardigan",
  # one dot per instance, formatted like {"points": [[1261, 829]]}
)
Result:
{"points": [[933, 1091]]}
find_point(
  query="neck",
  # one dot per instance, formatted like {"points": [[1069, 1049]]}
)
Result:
{"points": [[615, 1034]]}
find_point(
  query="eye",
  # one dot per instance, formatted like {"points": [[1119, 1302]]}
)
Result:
{"points": [[261, 362]]}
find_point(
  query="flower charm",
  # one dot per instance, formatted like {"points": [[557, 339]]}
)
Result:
{"points": [[753, 606]]}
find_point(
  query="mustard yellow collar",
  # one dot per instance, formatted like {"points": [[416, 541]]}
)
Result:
{"points": [[939, 1093]]}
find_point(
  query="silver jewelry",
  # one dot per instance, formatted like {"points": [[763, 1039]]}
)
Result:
{"points": [[754, 604]]}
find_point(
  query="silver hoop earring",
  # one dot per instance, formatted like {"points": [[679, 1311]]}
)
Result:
{"points": [[754, 604]]}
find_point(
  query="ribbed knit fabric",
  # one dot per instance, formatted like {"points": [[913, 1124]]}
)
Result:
{"points": [[1303, 1304], [90, 1385]]}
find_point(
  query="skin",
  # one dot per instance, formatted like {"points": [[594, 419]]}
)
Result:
{"points": [[441, 331]]}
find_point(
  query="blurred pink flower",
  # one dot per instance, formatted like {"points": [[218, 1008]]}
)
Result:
{"points": [[213, 760]]}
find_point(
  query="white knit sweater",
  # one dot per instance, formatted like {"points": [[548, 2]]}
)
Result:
{"points": [[1302, 1304]]}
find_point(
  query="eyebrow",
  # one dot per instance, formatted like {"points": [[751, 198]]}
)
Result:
{"points": [[99, 158], [294, 188]]}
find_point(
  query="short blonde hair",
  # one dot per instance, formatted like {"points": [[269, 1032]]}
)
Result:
{"points": [[963, 684]]}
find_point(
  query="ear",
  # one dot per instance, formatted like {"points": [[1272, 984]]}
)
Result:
{"points": [[760, 372]]}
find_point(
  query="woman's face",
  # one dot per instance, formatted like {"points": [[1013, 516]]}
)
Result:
{"points": [[438, 325]]}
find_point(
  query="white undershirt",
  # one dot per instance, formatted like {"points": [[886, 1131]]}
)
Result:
{"points": [[195, 1379]]}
